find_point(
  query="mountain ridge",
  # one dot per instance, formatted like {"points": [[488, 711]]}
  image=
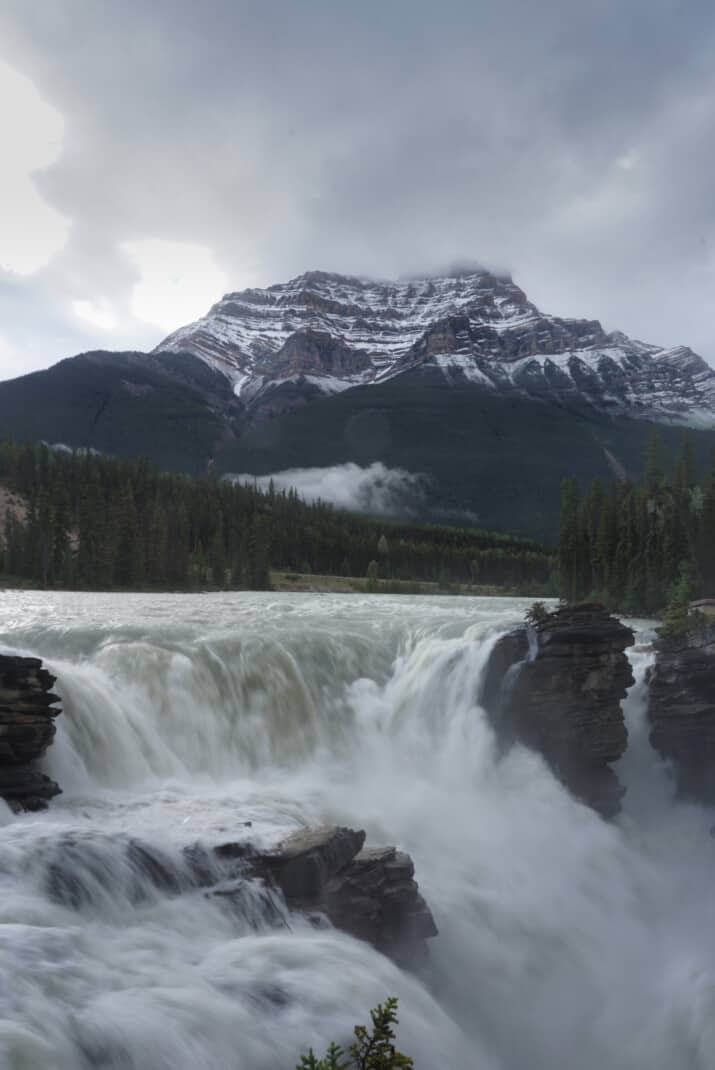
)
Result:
{"points": [[336, 332], [459, 379]]}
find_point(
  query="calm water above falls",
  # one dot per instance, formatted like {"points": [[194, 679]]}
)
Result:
{"points": [[564, 941]]}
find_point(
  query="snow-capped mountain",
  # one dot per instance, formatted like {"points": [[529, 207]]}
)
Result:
{"points": [[457, 381], [328, 332]]}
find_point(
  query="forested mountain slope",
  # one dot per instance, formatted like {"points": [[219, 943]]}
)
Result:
{"points": [[459, 378]]}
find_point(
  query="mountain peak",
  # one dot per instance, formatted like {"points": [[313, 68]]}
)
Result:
{"points": [[331, 332]]}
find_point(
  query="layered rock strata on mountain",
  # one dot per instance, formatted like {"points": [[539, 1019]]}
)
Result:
{"points": [[369, 892], [27, 727], [681, 710], [327, 332], [557, 687]]}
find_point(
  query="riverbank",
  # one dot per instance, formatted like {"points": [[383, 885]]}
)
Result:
{"points": [[312, 583], [309, 583]]}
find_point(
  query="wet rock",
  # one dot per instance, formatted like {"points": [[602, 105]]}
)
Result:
{"points": [[376, 899], [234, 850], [24, 787], [303, 863], [681, 710], [561, 694], [326, 871], [87, 869], [27, 714]]}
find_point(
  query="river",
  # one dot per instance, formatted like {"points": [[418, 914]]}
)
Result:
{"points": [[565, 941]]}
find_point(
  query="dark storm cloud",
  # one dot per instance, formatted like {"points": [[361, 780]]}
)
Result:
{"points": [[571, 143]]}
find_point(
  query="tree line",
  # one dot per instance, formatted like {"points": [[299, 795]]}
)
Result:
{"points": [[91, 521], [637, 546]]}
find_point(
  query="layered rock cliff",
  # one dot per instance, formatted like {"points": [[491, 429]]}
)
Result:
{"points": [[27, 727], [681, 710], [335, 331], [557, 687]]}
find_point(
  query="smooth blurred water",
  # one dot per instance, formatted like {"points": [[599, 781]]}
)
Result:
{"points": [[564, 941]]}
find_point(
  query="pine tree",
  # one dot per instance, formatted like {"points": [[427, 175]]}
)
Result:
{"points": [[372, 1049], [570, 542], [675, 618]]}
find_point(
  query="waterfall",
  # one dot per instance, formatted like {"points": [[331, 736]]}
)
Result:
{"points": [[187, 717]]}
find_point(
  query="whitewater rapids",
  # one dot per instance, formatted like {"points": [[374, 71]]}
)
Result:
{"points": [[564, 941]]}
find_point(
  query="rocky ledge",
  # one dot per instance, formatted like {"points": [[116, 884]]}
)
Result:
{"points": [[369, 892], [324, 872], [27, 716], [681, 710], [556, 685]]}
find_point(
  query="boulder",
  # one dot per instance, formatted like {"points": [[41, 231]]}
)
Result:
{"points": [[557, 686], [27, 727], [376, 899], [303, 863], [681, 710], [370, 893]]}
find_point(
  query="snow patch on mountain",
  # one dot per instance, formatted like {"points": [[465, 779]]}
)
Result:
{"points": [[333, 332]]}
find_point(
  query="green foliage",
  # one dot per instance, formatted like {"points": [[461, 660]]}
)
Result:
{"points": [[640, 547], [373, 576], [99, 523], [536, 612], [499, 457], [570, 542], [372, 1049], [676, 616]]}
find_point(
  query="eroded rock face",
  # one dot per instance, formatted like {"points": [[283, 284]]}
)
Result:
{"points": [[681, 710], [561, 694], [27, 716], [303, 864], [377, 899], [370, 892], [324, 872], [310, 352]]}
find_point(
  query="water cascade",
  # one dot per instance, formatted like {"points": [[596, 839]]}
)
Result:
{"points": [[565, 940]]}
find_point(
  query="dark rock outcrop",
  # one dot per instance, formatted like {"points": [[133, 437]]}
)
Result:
{"points": [[376, 899], [27, 714], [304, 863], [311, 352], [370, 893], [559, 690], [323, 872], [681, 710]]}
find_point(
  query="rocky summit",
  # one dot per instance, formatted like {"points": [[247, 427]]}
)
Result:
{"points": [[335, 332], [458, 380]]}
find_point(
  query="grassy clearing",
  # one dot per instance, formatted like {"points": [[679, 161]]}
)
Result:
{"points": [[312, 583]]}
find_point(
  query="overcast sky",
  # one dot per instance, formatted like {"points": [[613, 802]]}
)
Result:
{"points": [[155, 155]]}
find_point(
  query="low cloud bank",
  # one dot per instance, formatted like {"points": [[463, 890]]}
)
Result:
{"points": [[376, 489]]}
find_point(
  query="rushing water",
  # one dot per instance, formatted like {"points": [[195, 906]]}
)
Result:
{"points": [[564, 941]]}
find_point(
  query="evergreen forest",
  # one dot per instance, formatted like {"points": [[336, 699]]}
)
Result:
{"points": [[89, 521], [637, 546]]}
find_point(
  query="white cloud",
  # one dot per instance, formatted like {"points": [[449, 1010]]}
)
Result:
{"points": [[378, 139], [31, 130], [99, 313], [10, 359], [178, 281], [376, 489]]}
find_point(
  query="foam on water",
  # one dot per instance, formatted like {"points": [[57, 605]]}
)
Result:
{"points": [[564, 940]]}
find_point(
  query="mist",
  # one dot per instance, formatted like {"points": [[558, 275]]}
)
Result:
{"points": [[375, 489]]}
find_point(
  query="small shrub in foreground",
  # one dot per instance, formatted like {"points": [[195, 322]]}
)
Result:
{"points": [[372, 1049]]}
